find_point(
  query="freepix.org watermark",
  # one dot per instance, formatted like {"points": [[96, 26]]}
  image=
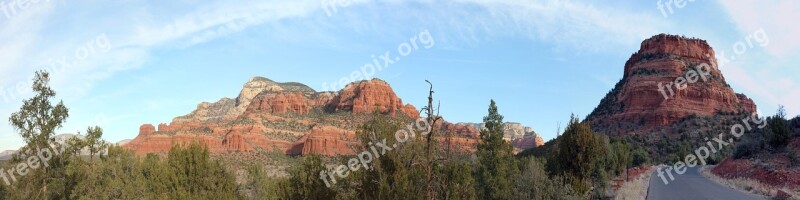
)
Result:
{"points": [[376, 150], [332, 6], [366, 72], [740, 47], [715, 145], [37, 159], [666, 6], [703, 70], [13, 8], [700, 72]]}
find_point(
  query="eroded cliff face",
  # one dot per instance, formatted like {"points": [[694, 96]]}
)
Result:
{"points": [[669, 79], [329, 140], [270, 116], [365, 97], [228, 109], [528, 142], [521, 137]]}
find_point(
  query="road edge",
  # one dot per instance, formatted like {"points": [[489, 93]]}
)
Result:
{"points": [[714, 180]]}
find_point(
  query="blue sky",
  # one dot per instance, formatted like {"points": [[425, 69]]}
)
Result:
{"points": [[138, 62]]}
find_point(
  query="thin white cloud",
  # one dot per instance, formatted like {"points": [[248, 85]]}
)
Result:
{"points": [[33, 48], [22, 27], [219, 19], [575, 26], [773, 82], [777, 18], [132, 40]]}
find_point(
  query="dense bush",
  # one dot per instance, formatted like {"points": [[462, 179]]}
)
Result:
{"points": [[793, 157], [187, 173], [774, 137], [749, 146], [534, 183], [794, 125], [640, 157], [778, 130], [587, 160]]}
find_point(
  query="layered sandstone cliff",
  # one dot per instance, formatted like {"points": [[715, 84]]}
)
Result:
{"points": [[521, 137], [369, 96], [669, 79], [270, 116], [511, 130]]}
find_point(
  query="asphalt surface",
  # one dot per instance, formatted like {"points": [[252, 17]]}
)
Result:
{"points": [[691, 185]]}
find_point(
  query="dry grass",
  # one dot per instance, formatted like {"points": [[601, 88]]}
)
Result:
{"points": [[748, 185], [636, 189]]}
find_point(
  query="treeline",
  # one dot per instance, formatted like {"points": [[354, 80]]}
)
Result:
{"points": [[46, 169], [772, 138], [577, 165], [187, 173]]}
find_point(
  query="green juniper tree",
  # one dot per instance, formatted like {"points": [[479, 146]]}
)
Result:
{"points": [[36, 121], [579, 149], [497, 167], [778, 130]]}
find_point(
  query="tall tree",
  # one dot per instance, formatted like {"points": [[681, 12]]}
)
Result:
{"points": [[36, 121], [622, 153], [497, 169]]}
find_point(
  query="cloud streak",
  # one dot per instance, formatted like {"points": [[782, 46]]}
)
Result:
{"points": [[772, 81]]}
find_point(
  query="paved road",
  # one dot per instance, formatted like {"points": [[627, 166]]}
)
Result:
{"points": [[692, 185]]}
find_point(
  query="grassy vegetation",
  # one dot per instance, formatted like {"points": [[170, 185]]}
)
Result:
{"points": [[636, 189], [745, 185]]}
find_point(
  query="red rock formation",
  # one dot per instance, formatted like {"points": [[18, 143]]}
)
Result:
{"points": [[460, 129], [164, 127], [235, 142], [145, 144], [410, 111], [469, 130], [528, 142], [329, 141], [146, 129], [288, 118], [281, 103], [459, 144], [367, 96], [637, 102], [268, 115]]}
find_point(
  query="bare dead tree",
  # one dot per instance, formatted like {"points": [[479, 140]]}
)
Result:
{"points": [[429, 147]]}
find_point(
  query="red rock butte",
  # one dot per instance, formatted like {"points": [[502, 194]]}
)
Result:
{"points": [[637, 101], [286, 117]]}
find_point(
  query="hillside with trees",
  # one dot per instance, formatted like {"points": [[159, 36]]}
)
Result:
{"points": [[579, 165]]}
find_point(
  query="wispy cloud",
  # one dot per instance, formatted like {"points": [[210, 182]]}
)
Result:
{"points": [[776, 18], [773, 80], [219, 19], [133, 37], [569, 25], [133, 33]]}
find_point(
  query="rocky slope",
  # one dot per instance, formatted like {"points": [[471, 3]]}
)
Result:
{"points": [[512, 130], [648, 98], [272, 116], [6, 155], [522, 137], [228, 109], [777, 169]]}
